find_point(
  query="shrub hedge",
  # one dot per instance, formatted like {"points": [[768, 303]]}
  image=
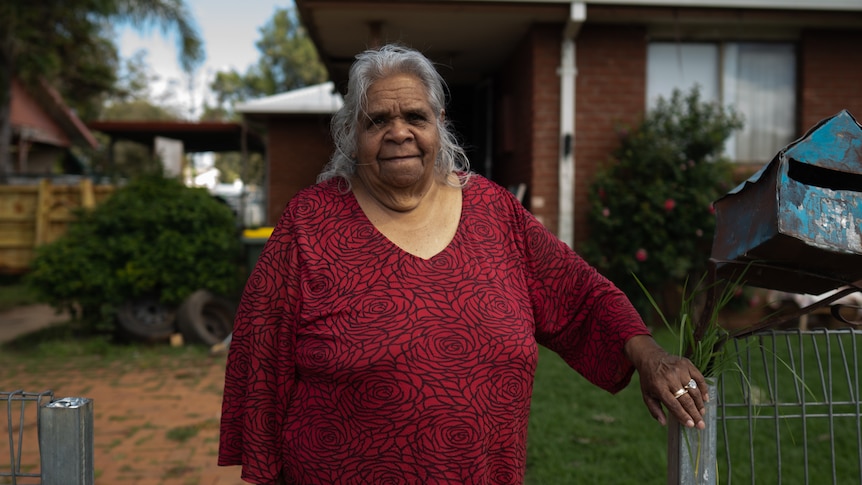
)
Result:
{"points": [[154, 237], [651, 211]]}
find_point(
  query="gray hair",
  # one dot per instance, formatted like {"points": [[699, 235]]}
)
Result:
{"points": [[369, 67]]}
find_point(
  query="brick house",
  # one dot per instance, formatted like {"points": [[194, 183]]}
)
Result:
{"points": [[538, 87], [44, 130], [298, 141]]}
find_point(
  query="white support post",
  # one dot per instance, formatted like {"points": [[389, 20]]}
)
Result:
{"points": [[567, 72]]}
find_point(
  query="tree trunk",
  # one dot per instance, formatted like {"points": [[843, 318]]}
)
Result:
{"points": [[5, 131], [7, 66]]}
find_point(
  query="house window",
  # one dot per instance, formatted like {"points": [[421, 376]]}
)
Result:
{"points": [[757, 79]]}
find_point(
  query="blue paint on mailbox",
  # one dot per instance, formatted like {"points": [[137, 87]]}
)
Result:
{"points": [[796, 225]]}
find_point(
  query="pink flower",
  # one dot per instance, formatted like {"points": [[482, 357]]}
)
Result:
{"points": [[641, 255], [712, 208], [606, 212], [698, 233], [669, 204]]}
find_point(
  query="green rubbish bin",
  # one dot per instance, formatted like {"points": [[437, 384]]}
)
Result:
{"points": [[253, 241]]}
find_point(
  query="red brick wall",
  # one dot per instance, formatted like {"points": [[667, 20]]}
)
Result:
{"points": [[830, 67], [610, 91], [513, 138], [545, 45], [298, 149], [527, 98]]}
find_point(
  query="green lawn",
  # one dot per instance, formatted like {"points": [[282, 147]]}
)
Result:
{"points": [[13, 293], [582, 435], [579, 434]]}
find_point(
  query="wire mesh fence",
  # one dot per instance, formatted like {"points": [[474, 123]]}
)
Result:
{"points": [[49, 441], [21, 445], [791, 414]]}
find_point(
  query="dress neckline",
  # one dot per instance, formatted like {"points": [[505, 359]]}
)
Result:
{"points": [[455, 238]]}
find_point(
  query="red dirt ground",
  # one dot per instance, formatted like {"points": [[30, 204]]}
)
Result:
{"points": [[156, 425]]}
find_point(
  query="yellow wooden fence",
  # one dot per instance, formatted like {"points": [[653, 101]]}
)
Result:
{"points": [[32, 215]]}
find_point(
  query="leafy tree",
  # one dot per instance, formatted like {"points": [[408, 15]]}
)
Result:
{"points": [[69, 42], [651, 209], [229, 88], [133, 81], [231, 167], [138, 109], [288, 61]]}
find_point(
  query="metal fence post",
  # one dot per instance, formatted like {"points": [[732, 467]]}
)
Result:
{"points": [[66, 442], [691, 453]]}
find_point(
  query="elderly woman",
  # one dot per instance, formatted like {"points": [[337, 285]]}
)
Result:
{"points": [[389, 331]]}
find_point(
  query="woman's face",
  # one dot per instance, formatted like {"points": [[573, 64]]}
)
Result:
{"points": [[397, 141]]}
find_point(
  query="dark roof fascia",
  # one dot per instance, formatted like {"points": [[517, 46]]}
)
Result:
{"points": [[203, 136]]}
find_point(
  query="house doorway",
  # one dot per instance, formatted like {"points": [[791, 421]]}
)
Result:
{"points": [[470, 111]]}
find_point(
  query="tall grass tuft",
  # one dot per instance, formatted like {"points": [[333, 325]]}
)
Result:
{"points": [[699, 335]]}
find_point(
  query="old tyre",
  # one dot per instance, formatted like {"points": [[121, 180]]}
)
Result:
{"points": [[147, 319], [205, 318]]}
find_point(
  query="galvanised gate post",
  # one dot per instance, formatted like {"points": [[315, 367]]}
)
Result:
{"points": [[66, 442]]}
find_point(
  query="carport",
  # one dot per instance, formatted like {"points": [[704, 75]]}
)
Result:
{"points": [[197, 137]]}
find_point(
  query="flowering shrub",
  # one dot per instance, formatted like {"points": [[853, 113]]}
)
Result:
{"points": [[651, 212]]}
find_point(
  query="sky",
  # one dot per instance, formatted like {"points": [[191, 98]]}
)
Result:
{"points": [[229, 29]]}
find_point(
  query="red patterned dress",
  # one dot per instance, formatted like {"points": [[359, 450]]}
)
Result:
{"points": [[355, 362]]}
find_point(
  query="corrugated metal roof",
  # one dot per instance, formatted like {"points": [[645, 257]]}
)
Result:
{"points": [[317, 99]]}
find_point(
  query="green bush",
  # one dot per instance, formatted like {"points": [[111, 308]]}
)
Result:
{"points": [[152, 238], [651, 212]]}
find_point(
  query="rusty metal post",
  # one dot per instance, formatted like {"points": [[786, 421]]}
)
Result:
{"points": [[66, 442]]}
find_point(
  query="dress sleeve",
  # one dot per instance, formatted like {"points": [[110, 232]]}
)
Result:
{"points": [[579, 313], [260, 363]]}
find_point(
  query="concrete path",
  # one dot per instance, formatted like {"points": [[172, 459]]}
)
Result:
{"points": [[22, 320]]}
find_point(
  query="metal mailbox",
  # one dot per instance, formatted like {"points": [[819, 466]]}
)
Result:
{"points": [[796, 225]]}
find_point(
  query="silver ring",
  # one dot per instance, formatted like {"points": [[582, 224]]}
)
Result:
{"points": [[680, 392], [691, 385]]}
